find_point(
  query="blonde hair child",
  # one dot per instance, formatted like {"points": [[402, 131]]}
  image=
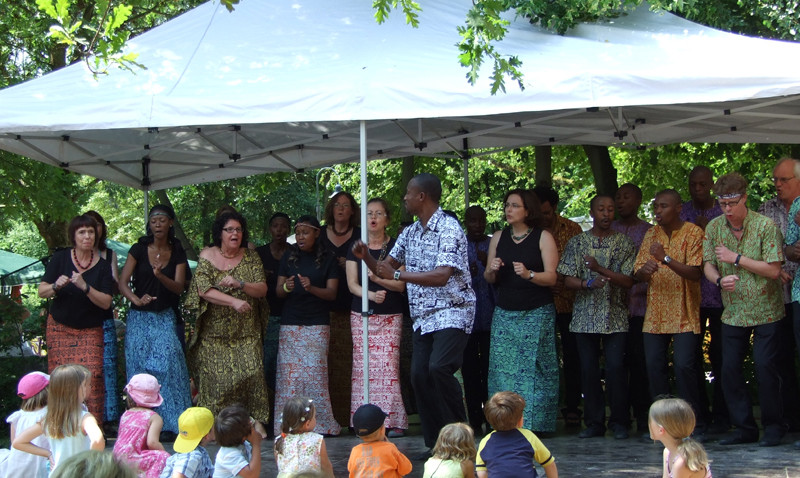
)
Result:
{"points": [[671, 422], [32, 389], [453, 454], [139, 427], [68, 426], [92, 463], [298, 449]]}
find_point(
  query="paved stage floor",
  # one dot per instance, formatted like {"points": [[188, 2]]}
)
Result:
{"points": [[591, 457]]}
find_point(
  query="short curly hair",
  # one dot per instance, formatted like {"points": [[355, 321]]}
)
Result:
{"points": [[219, 223]]}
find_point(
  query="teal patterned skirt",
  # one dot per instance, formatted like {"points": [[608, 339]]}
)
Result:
{"points": [[522, 359]]}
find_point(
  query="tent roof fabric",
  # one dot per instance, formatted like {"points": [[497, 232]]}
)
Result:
{"points": [[281, 85]]}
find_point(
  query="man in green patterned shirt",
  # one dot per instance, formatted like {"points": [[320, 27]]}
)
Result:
{"points": [[742, 254]]}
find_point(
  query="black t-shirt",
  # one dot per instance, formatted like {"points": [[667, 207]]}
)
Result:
{"points": [[71, 306], [393, 304], [145, 282], [302, 307], [514, 292], [343, 295], [271, 266]]}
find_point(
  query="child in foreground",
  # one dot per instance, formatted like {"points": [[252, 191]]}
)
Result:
{"points": [[32, 389], [69, 428], [191, 459], [453, 454], [139, 428], [376, 456], [240, 444], [298, 449], [510, 450], [672, 421], [94, 464]]}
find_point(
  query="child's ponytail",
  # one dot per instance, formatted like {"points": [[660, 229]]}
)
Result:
{"points": [[296, 412], [693, 454]]}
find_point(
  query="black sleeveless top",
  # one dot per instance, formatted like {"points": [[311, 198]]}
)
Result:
{"points": [[514, 292]]}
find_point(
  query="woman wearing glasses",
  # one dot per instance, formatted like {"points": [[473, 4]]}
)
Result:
{"points": [[225, 353], [153, 279], [385, 307], [340, 230], [522, 266]]}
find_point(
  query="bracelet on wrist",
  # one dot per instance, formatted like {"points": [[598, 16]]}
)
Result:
{"points": [[736, 262], [589, 283], [285, 289], [86, 290], [719, 282]]}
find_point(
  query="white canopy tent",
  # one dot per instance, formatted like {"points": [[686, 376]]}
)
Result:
{"points": [[282, 85]]}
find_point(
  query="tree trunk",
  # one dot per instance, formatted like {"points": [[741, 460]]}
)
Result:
{"points": [[544, 165], [54, 233], [605, 176], [179, 232], [408, 173]]}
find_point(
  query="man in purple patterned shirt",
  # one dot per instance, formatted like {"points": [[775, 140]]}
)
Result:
{"points": [[700, 209], [627, 201]]}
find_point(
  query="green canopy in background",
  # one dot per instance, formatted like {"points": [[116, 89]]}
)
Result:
{"points": [[17, 269]]}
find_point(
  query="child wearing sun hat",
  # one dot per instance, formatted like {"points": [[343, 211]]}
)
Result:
{"points": [[32, 389], [191, 459], [139, 428]]}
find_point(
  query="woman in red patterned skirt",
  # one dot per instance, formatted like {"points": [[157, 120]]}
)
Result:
{"points": [[386, 302], [79, 282]]}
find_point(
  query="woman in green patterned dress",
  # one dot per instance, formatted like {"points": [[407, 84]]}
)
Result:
{"points": [[225, 353]]}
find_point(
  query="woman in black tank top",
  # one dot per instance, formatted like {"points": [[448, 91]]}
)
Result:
{"points": [[522, 266]]}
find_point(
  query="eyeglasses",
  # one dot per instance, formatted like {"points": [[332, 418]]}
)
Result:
{"points": [[343, 205], [782, 180], [729, 204], [231, 230], [513, 204], [377, 214]]}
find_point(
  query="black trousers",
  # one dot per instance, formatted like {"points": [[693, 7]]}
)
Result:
{"points": [[436, 357], [616, 376], [475, 370], [684, 359], [638, 388], [767, 342], [571, 363], [719, 409]]}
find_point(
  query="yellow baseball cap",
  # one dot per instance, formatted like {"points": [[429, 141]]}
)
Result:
{"points": [[194, 424]]}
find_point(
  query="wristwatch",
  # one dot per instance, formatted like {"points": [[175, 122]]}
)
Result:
{"points": [[241, 285], [396, 275], [667, 259], [530, 275]]}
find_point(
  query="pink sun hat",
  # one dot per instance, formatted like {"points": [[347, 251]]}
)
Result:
{"points": [[144, 390]]}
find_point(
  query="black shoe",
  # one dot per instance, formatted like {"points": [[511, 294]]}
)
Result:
{"points": [[620, 432], [167, 437], [592, 432], [771, 437], [645, 438], [699, 437], [737, 438], [422, 456], [718, 428], [797, 444]]}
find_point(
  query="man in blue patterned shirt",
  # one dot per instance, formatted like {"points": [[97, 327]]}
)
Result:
{"points": [[442, 302]]}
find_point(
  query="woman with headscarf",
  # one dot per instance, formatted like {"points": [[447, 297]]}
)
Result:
{"points": [[156, 268], [308, 278]]}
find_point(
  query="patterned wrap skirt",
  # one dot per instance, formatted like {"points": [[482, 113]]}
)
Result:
{"points": [[340, 365], [523, 359], [66, 345], [303, 371], [152, 346], [384, 366], [110, 370]]}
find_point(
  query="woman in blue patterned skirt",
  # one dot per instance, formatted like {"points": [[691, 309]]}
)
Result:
{"points": [[522, 266], [157, 264]]}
